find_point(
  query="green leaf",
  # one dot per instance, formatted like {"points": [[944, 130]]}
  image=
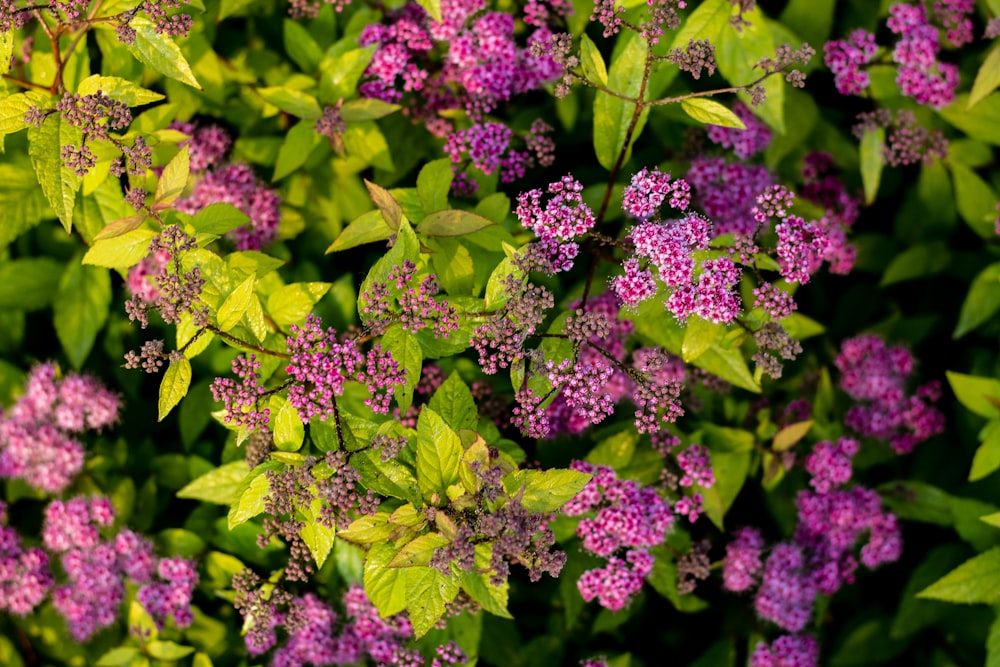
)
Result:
{"points": [[987, 458], [613, 115], [546, 490], [368, 228], [366, 108], [119, 89], [29, 284], [790, 435], [121, 226], [453, 401], [174, 178], [118, 656], [140, 620], [981, 395], [982, 122], [711, 112], [290, 304], [340, 73], [418, 551], [12, 110], [174, 386], [164, 650], [872, 162], [699, 336], [6, 50], [730, 473], [433, 184], [160, 52], [975, 581], [386, 587], [975, 199], [22, 201], [453, 222], [301, 46], [592, 62], [219, 218], [289, 431], [59, 183], [728, 364], [318, 536], [987, 78], [368, 529], [433, 8], [219, 485], [406, 352], [251, 500], [236, 304], [428, 593], [705, 22], [81, 309], [477, 584], [299, 143], [736, 53], [924, 259], [615, 451], [405, 248], [993, 643], [918, 501], [439, 452], [365, 141], [981, 303], [120, 252]]}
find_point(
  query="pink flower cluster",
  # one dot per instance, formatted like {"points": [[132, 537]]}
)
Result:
{"points": [[242, 399], [845, 58], [745, 143], [649, 189], [320, 364], [25, 578], [481, 67], [96, 569], [727, 191], [876, 375], [37, 442], [820, 557], [786, 651], [626, 517], [563, 218], [413, 304], [487, 145], [234, 184], [920, 74]]}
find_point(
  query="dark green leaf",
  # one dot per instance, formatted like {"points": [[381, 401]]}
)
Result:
{"points": [[738, 51], [925, 259], [81, 308], [29, 284], [981, 303], [407, 353], [219, 218], [299, 143], [301, 46]]}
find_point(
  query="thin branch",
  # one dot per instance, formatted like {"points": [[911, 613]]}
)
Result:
{"points": [[26, 84], [244, 344]]}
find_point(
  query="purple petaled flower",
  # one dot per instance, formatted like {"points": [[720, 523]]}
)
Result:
{"points": [[846, 58], [615, 584], [564, 216], [745, 143], [742, 565], [206, 147], [786, 651], [776, 302], [318, 368], [382, 375], [635, 285], [787, 591], [727, 192], [242, 399], [648, 190], [25, 578], [801, 248], [920, 74], [830, 464]]}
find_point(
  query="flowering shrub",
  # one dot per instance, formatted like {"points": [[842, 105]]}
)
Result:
{"points": [[463, 332]]}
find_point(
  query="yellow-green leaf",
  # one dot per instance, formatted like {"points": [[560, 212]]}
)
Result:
{"points": [[236, 304], [592, 61], [711, 112], [174, 178], [174, 386], [987, 78], [787, 437]]}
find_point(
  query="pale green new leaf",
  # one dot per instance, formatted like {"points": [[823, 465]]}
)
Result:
{"points": [[981, 395], [428, 593], [250, 502], [711, 112], [613, 115], [406, 351], [453, 222], [174, 386], [160, 52], [546, 490], [418, 551], [290, 304], [367, 228], [982, 301], [433, 184]]}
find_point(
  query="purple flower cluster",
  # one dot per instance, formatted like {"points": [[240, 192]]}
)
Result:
{"points": [[626, 520], [693, 58], [846, 58], [207, 146], [487, 145], [668, 247], [563, 218], [727, 192], [649, 189], [320, 364], [656, 391], [500, 339], [414, 306], [242, 399], [37, 442], [906, 142], [25, 578], [237, 184], [876, 374], [954, 16], [920, 74], [481, 67], [96, 569], [745, 143], [820, 557], [786, 651]]}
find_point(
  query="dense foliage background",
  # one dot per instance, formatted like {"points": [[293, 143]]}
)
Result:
{"points": [[526, 333]]}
